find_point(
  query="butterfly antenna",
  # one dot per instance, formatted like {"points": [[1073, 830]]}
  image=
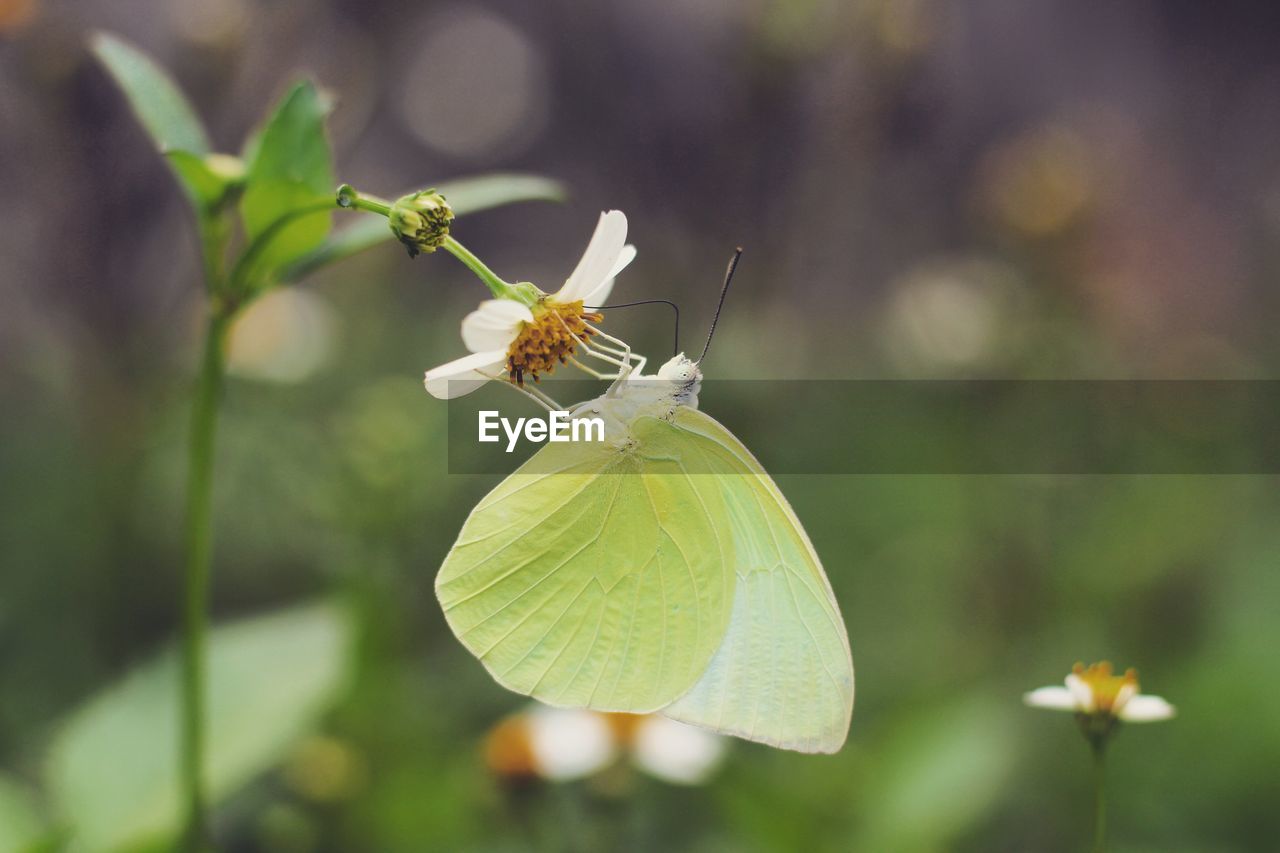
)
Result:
{"points": [[724, 291], [674, 307]]}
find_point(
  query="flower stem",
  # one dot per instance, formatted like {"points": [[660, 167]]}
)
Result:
{"points": [[1100, 798], [349, 197], [204, 419], [499, 288]]}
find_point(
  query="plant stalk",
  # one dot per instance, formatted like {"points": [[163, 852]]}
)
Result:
{"points": [[199, 541], [499, 288], [1099, 798]]}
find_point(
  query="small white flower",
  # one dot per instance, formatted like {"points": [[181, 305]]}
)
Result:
{"points": [[562, 744], [676, 752], [508, 337], [569, 743], [1096, 691]]}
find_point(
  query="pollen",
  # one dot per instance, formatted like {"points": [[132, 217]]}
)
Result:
{"points": [[1110, 691], [550, 340]]}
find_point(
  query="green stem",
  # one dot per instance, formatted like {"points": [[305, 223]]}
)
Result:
{"points": [[243, 270], [1100, 799], [213, 238], [372, 205], [352, 199], [499, 288], [204, 418]]}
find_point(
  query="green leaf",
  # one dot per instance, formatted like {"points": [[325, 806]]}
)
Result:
{"points": [[466, 195], [940, 771], [169, 119], [289, 168], [113, 765], [154, 97], [20, 825], [207, 179], [482, 192]]}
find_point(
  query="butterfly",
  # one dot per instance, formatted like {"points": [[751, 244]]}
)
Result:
{"points": [[660, 570]]}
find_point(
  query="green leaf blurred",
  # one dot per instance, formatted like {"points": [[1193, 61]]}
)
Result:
{"points": [[940, 771], [289, 168], [20, 825], [465, 195], [166, 115], [112, 772], [156, 100]]}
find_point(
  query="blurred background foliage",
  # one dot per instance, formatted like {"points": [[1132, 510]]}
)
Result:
{"points": [[924, 189]]}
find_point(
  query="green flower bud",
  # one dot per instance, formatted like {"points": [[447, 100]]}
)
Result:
{"points": [[421, 221]]}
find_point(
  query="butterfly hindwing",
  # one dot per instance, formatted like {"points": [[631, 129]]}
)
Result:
{"points": [[784, 674], [593, 578]]}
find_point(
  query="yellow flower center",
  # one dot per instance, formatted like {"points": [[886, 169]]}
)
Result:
{"points": [[508, 751], [551, 338], [1105, 684], [624, 725]]}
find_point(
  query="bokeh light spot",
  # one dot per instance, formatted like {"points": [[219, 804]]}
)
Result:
{"points": [[475, 87]]}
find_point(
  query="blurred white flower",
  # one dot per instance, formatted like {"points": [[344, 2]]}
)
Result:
{"points": [[676, 752], [569, 743], [509, 338], [1097, 691], [562, 744]]}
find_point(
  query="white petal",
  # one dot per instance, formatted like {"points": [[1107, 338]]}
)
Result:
{"points": [[569, 743], [1127, 691], [625, 257], [676, 752], [494, 325], [600, 295], [1146, 709], [1055, 698], [464, 375], [602, 255], [1083, 693]]}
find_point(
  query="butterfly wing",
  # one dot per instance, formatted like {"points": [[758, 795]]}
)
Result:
{"points": [[594, 578], [784, 674]]}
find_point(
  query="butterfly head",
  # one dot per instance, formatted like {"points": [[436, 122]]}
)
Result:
{"points": [[685, 378]]}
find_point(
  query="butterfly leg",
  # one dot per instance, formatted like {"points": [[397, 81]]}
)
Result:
{"points": [[623, 352], [591, 371], [537, 395], [623, 361], [620, 358], [540, 396], [635, 361]]}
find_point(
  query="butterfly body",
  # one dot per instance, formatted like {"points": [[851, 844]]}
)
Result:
{"points": [[659, 571]]}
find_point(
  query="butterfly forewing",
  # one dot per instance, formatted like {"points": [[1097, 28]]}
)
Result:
{"points": [[593, 577]]}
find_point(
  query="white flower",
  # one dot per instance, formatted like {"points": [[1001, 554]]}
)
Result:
{"points": [[561, 744], [506, 336], [676, 752], [569, 743], [1096, 691]]}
